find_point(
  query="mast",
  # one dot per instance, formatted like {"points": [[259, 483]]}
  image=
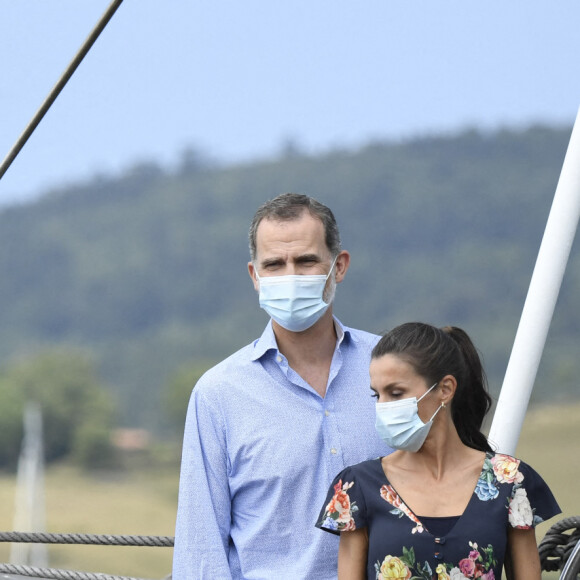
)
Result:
{"points": [[540, 303]]}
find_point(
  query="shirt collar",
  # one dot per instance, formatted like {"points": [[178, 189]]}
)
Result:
{"points": [[267, 342]]}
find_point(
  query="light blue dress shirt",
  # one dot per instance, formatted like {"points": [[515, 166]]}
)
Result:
{"points": [[260, 449]]}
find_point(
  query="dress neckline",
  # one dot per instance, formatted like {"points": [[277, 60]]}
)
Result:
{"points": [[400, 504]]}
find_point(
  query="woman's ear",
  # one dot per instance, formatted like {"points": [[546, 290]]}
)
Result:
{"points": [[447, 387]]}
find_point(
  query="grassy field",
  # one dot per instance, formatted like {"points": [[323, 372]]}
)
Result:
{"points": [[550, 441], [143, 502], [137, 503]]}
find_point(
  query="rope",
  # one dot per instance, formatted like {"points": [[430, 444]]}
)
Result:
{"points": [[557, 546], [554, 549], [54, 574], [95, 539]]}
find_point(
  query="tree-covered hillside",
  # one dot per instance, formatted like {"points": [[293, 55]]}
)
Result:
{"points": [[148, 270]]}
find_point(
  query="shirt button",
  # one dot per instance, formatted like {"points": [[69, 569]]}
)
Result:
{"points": [[333, 450], [279, 358], [327, 413]]}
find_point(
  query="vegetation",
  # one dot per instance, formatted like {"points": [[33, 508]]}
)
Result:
{"points": [[78, 413], [147, 271]]}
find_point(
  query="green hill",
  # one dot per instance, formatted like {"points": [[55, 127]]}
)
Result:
{"points": [[148, 270]]}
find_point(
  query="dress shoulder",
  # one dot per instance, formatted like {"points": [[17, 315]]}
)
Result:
{"points": [[531, 501], [344, 508]]}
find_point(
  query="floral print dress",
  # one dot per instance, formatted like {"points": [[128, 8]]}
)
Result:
{"points": [[509, 493]]}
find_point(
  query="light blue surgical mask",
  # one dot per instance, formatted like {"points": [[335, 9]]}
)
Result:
{"points": [[399, 425], [295, 302]]}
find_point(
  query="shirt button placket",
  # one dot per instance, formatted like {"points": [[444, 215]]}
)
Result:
{"points": [[331, 439]]}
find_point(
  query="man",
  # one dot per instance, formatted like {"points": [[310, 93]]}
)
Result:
{"points": [[268, 428]]}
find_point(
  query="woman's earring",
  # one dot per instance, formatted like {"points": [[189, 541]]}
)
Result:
{"points": [[443, 404]]}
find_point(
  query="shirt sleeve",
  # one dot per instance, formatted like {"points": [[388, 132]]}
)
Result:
{"points": [[202, 531], [531, 500], [344, 509]]}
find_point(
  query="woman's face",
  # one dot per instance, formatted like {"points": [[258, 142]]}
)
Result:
{"points": [[393, 379]]}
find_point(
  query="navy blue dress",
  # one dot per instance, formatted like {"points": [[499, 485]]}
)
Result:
{"points": [[509, 493]]}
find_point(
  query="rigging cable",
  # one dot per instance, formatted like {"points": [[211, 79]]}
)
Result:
{"points": [[82, 52]]}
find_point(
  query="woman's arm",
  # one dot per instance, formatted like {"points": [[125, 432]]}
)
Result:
{"points": [[352, 555], [522, 558]]}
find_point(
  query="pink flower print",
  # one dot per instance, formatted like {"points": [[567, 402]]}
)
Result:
{"points": [[505, 468], [467, 567]]}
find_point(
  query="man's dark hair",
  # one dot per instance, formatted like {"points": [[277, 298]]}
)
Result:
{"points": [[290, 206]]}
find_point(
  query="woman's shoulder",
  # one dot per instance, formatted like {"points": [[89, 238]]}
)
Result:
{"points": [[508, 468], [503, 468], [530, 499]]}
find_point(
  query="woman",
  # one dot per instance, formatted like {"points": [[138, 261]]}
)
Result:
{"points": [[442, 506]]}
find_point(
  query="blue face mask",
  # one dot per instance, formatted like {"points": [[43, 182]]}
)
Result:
{"points": [[295, 302], [399, 425]]}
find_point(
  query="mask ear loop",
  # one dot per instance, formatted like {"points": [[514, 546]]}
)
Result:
{"points": [[428, 391], [331, 267], [442, 406], [256, 272]]}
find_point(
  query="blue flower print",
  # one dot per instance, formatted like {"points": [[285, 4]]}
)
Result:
{"points": [[330, 524], [486, 490]]}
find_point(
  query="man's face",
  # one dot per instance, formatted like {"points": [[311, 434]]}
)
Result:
{"points": [[294, 247]]}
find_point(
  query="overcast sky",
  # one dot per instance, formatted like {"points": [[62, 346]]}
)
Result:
{"points": [[235, 79]]}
